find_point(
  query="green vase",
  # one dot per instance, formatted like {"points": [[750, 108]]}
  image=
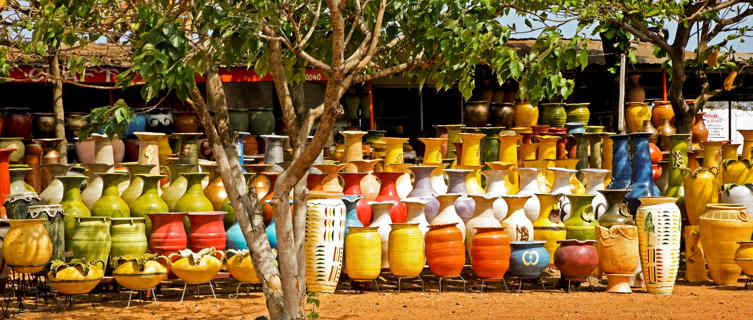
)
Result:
{"points": [[194, 199], [177, 185], [490, 144], [578, 112], [678, 155], [72, 204], [111, 204], [91, 238], [582, 223], [136, 187], [553, 114], [149, 201], [128, 238]]}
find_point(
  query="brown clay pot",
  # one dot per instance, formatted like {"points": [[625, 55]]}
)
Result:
{"points": [[131, 150], [250, 145], [661, 111], [33, 158], [503, 114], [576, 259], [73, 124], [18, 122], [44, 125], [618, 255], [490, 252], [445, 250], [186, 122], [476, 113], [700, 134]]}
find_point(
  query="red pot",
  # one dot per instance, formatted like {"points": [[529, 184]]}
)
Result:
{"points": [[314, 181], [445, 250], [388, 192], [18, 123], [207, 230], [490, 253], [353, 187], [168, 235], [576, 259], [4, 176]]}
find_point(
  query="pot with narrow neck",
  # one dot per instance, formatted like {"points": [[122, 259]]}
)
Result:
{"points": [[423, 189], [483, 216], [496, 187], [149, 201], [517, 225], [562, 185], [581, 224], [529, 185], [383, 222], [111, 204], [620, 162], [136, 186], [416, 213], [447, 212], [388, 192], [353, 188], [149, 149], [549, 227], [594, 179], [464, 206], [615, 210]]}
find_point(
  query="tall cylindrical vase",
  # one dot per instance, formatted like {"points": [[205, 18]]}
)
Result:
{"points": [[678, 155], [324, 241], [641, 183], [149, 149], [658, 221], [620, 162]]}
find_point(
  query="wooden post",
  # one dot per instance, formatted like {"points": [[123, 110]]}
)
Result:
{"points": [[621, 103]]}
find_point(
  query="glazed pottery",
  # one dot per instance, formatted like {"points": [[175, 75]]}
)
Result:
{"points": [[128, 238], [75, 278], [677, 164], [483, 216], [695, 263], [553, 114], [91, 238], [18, 122], [17, 183], [84, 150], [582, 222], [331, 182], [423, 188], [274, 151], [406, 250], [549, 227], [620, 162], [578, 112], [104, 149], [33, 158], [394, 150], [658, 221], [55, 226], [594, 153], [615, 211], [140, 273], [72, 204], [363, 254], [528, 259], [490, 253], [353, 145], [738, 194], [17, 155], [111, 204], [382, 222], [562, 185], [526, 114], [168, 235], [447, 212], [261, 121], [324, 241], [529, 185], [547, 147], [207, 230], [194, 199], [236, 240], [17, 205], [744, 257], [471, 149], [490, 144], [476, 113], [149, 149], [74, 121], [370, 185], [508, 153], [196, 267], [416, 213], [351, 216], [594, 180], [517, 225], [496, 186], [185, 122], [721, 227], [617, 247], [701, 188], [636, 92], [353, 188], [576, 259], [700, 134], [240, 266], [581, 149], [636, 114], [27, 247], [44, 125], [95, 185], [747, 152], [388, 192], [575, 127], [432, 150], [503, 114], [238, 119], [641, 183], [445, 251]]}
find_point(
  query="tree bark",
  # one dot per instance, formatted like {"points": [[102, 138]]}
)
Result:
{"points": [[243, 201], [683, 112], [58, 108]]}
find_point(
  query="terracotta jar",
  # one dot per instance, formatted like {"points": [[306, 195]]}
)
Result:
{"points": [[186, 122], [618, 255], [207, 230], [661, 111], [476, 113], [406, 250], [27, 247], [658, 221], [636, 92], [526, 114], [325, 232], [549, 227], [576, 259], [445, 251], [33, 158], [721, 227], [363, 254], [700, 134], [490, 254], [168, 235], [18, 122]]}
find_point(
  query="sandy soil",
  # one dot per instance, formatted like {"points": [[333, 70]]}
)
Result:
{"points": [[688, 302]]}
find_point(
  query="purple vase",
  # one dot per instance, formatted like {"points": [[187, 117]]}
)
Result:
{"points": [[422, 189], [464, 205]]}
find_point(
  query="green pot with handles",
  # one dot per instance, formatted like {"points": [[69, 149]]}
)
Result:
{"points": [[582, 222], [149, 201], [73, 205], [136, 187], [128, 238], [194, 199], [91, 238], [111, 204], [177, 186]]}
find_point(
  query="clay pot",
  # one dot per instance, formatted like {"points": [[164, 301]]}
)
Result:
{"points": [[658, 221], [261, 121], [549, 227], [91, 238], [618, 255], [445, 251], [406, 250], [503, 114], [44, 125], [238, 119], [363, 253], [636, 92], [553, 114], [528, 259], [168, 235], [695, 262], [476, 113], [578, 112], [142, 273], [636, 114], [33, 158], [196, 267], [526, 114], [701, 188], [700, 134], [661, 111], [73, 124], [17, 156], [490, 253], [722, 227], [148, 201], [207, 230], [18, 122], [576, 259], [75, 278], [128, 238], [27, 247], [744, 257], [85, 150]]}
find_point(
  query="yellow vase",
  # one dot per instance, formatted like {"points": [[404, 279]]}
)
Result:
{"points": [[545, 177], [432, 150], [473, 180], [549, 227], [352, 149], [729, 151], [695, 264], [27, 247], [471, 154], [701, 188], [528, 151], [578, 187], [508, 153], [164, 148], [736, 171], [406, 250], [747, 152], [363, 253], [393, 150], [712, 157], [637, 114], [526, 114], [548, 147]]}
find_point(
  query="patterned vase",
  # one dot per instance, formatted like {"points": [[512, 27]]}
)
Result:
{"points": [[324, 241], [658, 221]]}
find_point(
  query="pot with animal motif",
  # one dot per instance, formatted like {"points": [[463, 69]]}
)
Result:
{"points": [[549, 227], [517, 225]]}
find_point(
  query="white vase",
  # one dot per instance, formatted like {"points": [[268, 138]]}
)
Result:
{"points": [[103, 149], [438, 183], [403, 185], [529, 186], [483, 216], [594, 180], [93, 190], [562, 185], [738, 194], [416, 213], [659, 234], [496, 187], [382, 222], [447, 213], [324, 243], [517, 225]]}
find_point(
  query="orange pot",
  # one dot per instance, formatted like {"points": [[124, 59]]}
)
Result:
{"points": [[445, 250], [490, 252]]}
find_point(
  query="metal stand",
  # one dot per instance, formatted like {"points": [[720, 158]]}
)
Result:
{"points": [[375, 282], [399, 279], [146, 292], [501, 280], [185, 286], [458, 278], [238, 288]]}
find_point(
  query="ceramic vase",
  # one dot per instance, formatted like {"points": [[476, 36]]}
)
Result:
{"points": [[111, 204], [496, 186], [701, 188], [517, 225], [615, 208], [553, 114], [526, 114], [678, 144], [636, 114], [331, 182], [721, 228], [16, 155], [54, 224], [747, 152], [27, 247], [406, 250], [641, 182], [394, 150], [274, 150], [149, 201], [738, 194], [594, 179], [91, 238], [417, 213], [578, 112], [353, 188], [620, 162], [382, 222], [490, 256], [508, 153], [128, 238], [388, 192], [562, 185], [149, 149], [576, 259], [483, 216], [194, 199], [324, 241], [363, 254], [549, 227], [447, 212], [53, 191], [178, 184], [617, 247], [433, 150], [351, 212], [207, 230], [136, 185], [476, 113], [528, 259], [658, 221], [581, 224], [445, 251], [529, 185], [17, 183], [423, 189], [95, 185], [695, 262], [168, 234], [700, 134], [744, 257]]}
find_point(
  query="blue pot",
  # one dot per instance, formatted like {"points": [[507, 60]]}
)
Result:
{"points": [[137, 124], [528, 259], [575, 127], [620, 162], [641, 182], [351, 216], [235, 239]]}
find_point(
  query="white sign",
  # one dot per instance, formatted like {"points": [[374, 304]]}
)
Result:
{"points": [[718, 122]]}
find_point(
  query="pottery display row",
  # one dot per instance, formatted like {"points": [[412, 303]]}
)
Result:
{"points": [[524, 114]]}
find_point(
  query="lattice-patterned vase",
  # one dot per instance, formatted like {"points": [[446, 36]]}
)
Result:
{"points": [[659, 234], [325, 233]]}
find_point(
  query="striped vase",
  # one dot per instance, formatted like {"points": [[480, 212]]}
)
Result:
{"points": [[325, 234]]}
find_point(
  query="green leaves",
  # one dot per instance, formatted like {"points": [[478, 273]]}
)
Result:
{"points": [[112, 120]]}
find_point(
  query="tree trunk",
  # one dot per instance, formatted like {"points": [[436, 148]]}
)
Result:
{"points": [[243, 201], [57, 105], [683, 112]]}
